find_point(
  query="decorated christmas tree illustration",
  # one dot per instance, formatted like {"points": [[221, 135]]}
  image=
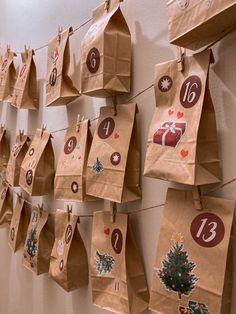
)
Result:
{"points": [[104, 263], [97, 167], [31, 243], [177, 271]]}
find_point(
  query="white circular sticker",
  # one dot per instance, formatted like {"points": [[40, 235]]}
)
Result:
{"points": [[182, 4], [60, 248]]}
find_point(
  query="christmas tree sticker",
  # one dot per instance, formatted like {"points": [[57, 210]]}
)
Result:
{"points": [[31, 244], [104, 263], [98, 166], [177, 271]]}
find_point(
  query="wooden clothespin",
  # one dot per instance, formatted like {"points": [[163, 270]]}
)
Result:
{"points": [[44, 126], [2, 129], [107, 5], [40, 209], [21, 133], [8, 49], [19, 194], [197, 198], [181, 54], [114, 106], [113, 210], [78, 123], [60, 30], [69, 211]]}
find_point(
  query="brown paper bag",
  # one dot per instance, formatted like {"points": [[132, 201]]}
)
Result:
{"points": [[25, 89], [60, 89], [37, 169], [7, 76], [69, 263], [117, 274], [38, 243], [106, 53], [194, 24], [114, 158], [5, 206], [70, 178], [182, 140], [189, 272], [18, 153], [19, 225], [4, 149]]}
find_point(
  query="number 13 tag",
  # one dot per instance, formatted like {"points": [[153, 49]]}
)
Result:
{"points": [[207, 229]]}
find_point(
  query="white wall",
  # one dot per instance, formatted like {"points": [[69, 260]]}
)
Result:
{"points": [[34, 23]]}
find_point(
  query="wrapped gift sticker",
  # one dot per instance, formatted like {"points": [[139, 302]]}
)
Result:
{"points": [[170, 133], [185, 310], [198, 308]]}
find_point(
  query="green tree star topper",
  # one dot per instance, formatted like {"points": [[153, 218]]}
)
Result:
{"points": [[177, 271]]}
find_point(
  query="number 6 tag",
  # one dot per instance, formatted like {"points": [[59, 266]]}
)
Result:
{"points": [[190, 91], [207, 229]]}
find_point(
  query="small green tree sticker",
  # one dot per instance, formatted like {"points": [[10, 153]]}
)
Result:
{"points": [[104, 263], [177, 271], [31, 244], [98, 166]]}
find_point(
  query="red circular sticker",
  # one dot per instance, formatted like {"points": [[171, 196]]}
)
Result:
{"points": [[31, 151], [4, 64], [115, 158], [106, 128], [93, 60], [117, 240], [23, 70], [74, 187], [70, 145], [68, 234], [207, 229], [3, 195], [190, 91], [53, 77], [29, 177], [165, 83]]}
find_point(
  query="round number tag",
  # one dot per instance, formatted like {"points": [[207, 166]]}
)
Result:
{"points": [[70, 145], [93, 60], [190, 91], [74, 187], [53, 77], [106, 128], [117, 240], [68, 233], [207, 229], [29, 177], [12, 234], [61, 265], [182, 4]]}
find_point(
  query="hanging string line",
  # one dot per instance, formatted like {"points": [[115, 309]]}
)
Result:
{"points": [[133, 212]]}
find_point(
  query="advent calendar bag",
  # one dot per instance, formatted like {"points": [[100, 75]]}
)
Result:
{"points": [[19, 225], [38, 243], [7, 76], [59, 86], [114, 158], [70, 178], [25, 89], [16, 158], [106, 53], [4, 149], [69, 262], [191, 273], [194, 23], [5, 206], [117, 274], [37, 169], [182, 141]]}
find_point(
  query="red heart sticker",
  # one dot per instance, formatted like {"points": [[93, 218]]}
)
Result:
{"points": [[107, 231], [116, 135], [79, 157], [180, 115], [184, 153], [170, 112]]}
